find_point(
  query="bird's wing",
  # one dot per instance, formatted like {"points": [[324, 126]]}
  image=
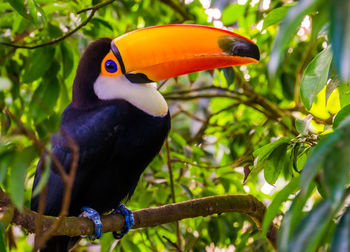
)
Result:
{"points": [[94, 132]]}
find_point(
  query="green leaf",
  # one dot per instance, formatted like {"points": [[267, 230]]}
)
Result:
{"points": [[302, 125], [288, 28], [5, 84], [232, 13], [192, 77], [214, 230], [341, 241], [178, 139], [337, 167], [107, 241], [187, 190], [54, 31], [315, 77], [311, 228], [342, 114], [320, 21], [229, 75], [29, 10], [340, 37], [101, 22], [331, 86], [130, 246], [317, 158], [17, 176], [6, 159], [38, 63], [43, 178], [344, 95], [275, 16], [67, 59], [2, 238], [279, 198], [45, 97], [274, 164], [291, 219], [264, 152]]}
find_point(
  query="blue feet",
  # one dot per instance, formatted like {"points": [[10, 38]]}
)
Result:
{"points": [[129, 220], [93, 215]]}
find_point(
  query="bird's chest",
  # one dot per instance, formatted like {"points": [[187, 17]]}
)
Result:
{"points": [[137, 143], [118, 172]]}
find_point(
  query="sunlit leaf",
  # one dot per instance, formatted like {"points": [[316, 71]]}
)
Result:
{"points": [[315, 77], [232, 13], [344, 95], [275, 16]]}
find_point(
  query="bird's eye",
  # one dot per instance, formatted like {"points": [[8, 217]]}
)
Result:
{"points": [[111, 66]]}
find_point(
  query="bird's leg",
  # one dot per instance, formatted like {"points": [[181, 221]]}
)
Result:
{"points": [[93, 215], [129, 220]]}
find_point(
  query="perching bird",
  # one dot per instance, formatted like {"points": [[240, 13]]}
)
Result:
{"points": [[119, 120]]}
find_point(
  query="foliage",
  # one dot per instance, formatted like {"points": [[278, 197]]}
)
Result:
{"points": [[234, 131]]}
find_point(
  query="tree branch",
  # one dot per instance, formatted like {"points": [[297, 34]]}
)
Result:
{"points": [[85, 22], [76, 226]]}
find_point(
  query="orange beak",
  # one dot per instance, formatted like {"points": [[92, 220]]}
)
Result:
{"points": [[162, 52]]}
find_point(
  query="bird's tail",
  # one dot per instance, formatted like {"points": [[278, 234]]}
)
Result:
{"points": [[60, 244]]}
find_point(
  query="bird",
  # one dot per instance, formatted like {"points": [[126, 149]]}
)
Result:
{"points": [[118, 118]]}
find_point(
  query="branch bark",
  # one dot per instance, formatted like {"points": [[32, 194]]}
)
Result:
{"points": [[76, 226]]}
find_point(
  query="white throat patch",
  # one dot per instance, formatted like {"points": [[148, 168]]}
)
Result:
{"points": [[143, 96]]}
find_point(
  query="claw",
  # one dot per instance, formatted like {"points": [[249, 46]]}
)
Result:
{"points": [[129, 220], [93, 215]]}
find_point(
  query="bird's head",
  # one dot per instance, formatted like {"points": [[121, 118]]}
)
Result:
{"points": [[127, 67]]}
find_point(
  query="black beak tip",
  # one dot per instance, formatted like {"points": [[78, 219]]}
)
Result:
{"points": [[245, 49]]}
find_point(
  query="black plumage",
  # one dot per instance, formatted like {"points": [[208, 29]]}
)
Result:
{"points": [[116, 143]]}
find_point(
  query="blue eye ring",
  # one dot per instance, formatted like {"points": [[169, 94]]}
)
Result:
{"points": [[111, 66]]}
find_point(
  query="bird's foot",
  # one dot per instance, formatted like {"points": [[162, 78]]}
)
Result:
{"points": [[129, 220], [93, 215]]}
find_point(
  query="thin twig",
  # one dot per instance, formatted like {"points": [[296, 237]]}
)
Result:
{"points": [[171, 178]]}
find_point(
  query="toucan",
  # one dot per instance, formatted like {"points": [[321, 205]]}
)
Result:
{"points": [[118, 118]]}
